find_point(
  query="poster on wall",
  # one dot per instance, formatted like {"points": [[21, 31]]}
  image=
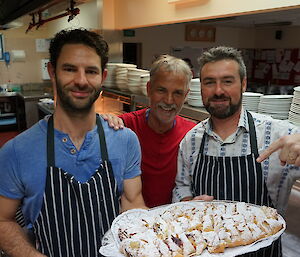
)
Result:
{"points": [[1, 48]]}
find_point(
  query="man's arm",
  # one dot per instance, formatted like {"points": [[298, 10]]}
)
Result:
{"points": [[13, 240], [132, 195]]}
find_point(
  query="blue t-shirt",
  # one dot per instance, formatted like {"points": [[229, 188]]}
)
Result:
{"points": [[24, 162]]}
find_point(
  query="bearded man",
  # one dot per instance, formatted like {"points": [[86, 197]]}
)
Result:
{"points": [[70, 170], [218, 156]]}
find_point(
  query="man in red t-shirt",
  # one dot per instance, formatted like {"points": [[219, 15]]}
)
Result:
{"points": [[160, 129]]}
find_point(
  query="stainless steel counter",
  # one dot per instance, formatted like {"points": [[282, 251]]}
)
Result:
{"points": [[31, 99], [33, 95]]}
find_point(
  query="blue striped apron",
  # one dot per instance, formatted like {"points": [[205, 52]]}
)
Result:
{"points": [[74, 215], [236, 178]]}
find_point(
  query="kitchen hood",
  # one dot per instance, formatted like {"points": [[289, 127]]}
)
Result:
{"points": [[11, 10]]}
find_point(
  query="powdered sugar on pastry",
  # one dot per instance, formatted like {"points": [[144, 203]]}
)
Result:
{"points": [[188, 229]]}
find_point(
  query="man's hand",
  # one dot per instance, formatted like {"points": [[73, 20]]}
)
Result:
{"points": [[199, 197], [290, 150], [113, 121]]}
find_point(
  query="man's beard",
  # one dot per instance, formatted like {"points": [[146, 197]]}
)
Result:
{"points": [[69, 105], [222, 113]]}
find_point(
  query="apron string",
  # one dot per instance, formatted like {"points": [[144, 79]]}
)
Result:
{"points": [[252, 131], [102, 140], [50, 143]]}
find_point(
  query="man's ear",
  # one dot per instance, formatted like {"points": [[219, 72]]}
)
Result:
{"points": [[186, 93], [244, 85], [51, 71], [104, 75], [148, 88]]}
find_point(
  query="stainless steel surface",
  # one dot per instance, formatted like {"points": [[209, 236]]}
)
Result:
{"points": [[46, 108], [7, 94], [31, 99], [34, 95]]}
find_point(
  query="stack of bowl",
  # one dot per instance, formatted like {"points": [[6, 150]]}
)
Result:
{"points": [[251, 100], [135, 80], [194, 97], [276, 106], [121, 75], [110, 80]]}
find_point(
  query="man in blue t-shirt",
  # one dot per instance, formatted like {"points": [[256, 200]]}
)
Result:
{"points": [[70, 171]]}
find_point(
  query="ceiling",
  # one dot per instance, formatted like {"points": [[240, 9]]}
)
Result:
{"points": [[270, 19], [12, 10]]}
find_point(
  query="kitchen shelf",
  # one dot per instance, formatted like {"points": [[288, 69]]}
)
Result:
{"points": [[8, 121], [9, 114]]}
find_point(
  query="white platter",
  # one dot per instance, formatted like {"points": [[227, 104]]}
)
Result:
{"points": [[110, 242]]}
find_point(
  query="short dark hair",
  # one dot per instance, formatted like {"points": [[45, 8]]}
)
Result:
{"points": [[78, 36], [223, 53]]}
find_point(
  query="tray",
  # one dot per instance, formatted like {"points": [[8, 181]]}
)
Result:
{"points": [[111, 241]]}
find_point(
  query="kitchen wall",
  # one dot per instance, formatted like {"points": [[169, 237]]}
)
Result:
{"points": [[29, 70], [160, 39], [142, 13], [155, 40]]}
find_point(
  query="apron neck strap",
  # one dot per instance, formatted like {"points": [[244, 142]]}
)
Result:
{"points": [[50, 141], [102, 140], [252, 134]]}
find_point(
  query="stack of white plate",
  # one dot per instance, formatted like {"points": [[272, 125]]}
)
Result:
{"points": [[135, 80], [144, 79], [194, 97], [277, 106], [294, 114], [251, 100], [110, 80], [121, 75]]}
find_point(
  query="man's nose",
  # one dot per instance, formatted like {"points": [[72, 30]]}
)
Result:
{"points": [[80, 78], [219, 88], [169, 99]]}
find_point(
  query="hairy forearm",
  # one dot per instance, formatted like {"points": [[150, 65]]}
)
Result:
{"points": [[137, 203], [14, 242]]}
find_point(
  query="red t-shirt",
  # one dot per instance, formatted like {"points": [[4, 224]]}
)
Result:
{"points": [[159, 156]]}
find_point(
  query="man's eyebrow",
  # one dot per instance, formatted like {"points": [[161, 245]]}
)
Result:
{"points": [[224, 77], [209, 78], [228, 77], [68, 65], [93, 68]]}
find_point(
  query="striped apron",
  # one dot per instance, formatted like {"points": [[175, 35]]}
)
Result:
{"points": [[74, 215], [237, 178]]}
